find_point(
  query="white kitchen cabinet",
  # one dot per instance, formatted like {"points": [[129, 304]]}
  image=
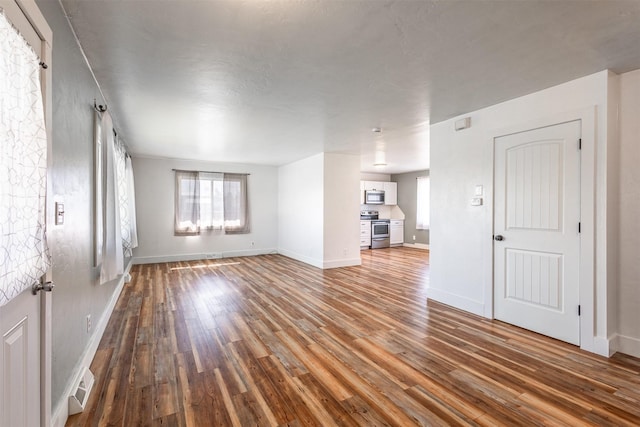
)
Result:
{"points": [[373, 185], [390, 193], [396, 232], [365, 234]]}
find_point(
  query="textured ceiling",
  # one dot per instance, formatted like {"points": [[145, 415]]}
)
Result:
{"points": [[273, 82]]}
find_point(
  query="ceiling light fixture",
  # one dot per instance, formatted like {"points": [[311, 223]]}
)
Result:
{"points": [[380, 156]]}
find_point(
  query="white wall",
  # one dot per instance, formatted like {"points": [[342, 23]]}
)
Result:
{"points": [[461, 234], [629, 213], [155, 189], [301, 210], [368, 176], [341, 210], [318, 210]]}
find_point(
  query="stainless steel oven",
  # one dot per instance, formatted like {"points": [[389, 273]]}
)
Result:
{"points": [[380, 229]]}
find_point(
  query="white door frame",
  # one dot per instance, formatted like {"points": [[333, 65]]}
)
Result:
{"points": [[37, 20], [587, 117]]}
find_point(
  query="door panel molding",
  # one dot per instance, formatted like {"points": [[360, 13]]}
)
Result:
{"points": [[525, 161], [588, 116]]}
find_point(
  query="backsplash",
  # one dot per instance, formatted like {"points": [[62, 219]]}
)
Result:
{"points": [[385, 211]]}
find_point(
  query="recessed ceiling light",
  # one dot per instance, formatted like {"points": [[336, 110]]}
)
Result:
{"points": [[379, 164]]}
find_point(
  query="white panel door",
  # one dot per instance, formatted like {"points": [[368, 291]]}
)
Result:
{"points": [[25, 398], [536, 237]]}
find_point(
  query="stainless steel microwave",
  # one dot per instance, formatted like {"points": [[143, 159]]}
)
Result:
{"points": [[374, 197]]}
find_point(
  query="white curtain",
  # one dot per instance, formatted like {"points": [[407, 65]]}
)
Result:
{"points": [[23, 166], [187, 204], [236, 204], [112, 249], [98, 176], [422, 205], [131, 191]]}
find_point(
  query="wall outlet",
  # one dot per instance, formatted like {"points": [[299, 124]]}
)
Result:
{"points": [[253, 244], [88, 323], [213, 256], [414, 237], [344, 251]]}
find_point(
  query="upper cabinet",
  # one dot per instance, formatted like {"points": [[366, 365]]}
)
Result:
{"points": [[390, 190], [373, 185], [390, 193]]}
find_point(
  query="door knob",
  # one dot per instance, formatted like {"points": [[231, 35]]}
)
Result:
{"points": [[499, 238]]}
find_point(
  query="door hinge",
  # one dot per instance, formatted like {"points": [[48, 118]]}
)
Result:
{"points": [[580, 144], [579, 227], [42, 286], [579, 311]]}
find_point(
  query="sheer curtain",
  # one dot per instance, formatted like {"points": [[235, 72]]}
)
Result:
{"points": [[124, 176], [115, 215], [422, 205], [112, 249], [211, 201], [236, 204], [23, 166], [187, 204], [133, 226]]}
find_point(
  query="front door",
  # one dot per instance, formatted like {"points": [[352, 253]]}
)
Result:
{"points": [[536, 230], [24, 375]]}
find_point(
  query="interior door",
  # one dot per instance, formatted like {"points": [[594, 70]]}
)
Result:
{"points": [[536, 230], [25, 348]]}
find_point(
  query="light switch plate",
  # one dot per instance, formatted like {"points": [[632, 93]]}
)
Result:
{"points": [[479, 190], [476, 201], [59, 213]]}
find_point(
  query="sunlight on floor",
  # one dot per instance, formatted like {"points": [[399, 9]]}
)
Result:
{"points": [[204, 266]]}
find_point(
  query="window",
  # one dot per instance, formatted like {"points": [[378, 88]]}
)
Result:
{"points": [[211, 201], [422, 205]]}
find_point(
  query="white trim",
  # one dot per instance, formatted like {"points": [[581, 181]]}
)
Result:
{"points": [[201, 256], [346, 262], [457, 301], [307, 260], [61, 412], [416, 245], [603, 346], [588, 117], [626, 345]]}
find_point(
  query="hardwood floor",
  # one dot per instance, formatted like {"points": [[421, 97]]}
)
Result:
{"points": [[270, 341]]}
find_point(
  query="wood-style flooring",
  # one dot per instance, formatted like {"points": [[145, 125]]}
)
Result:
{"points": [[269, 341]]}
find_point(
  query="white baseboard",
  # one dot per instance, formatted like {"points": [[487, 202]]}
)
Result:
{"points": [[307, 260], [200, 256], [61, 411], [602, 346], [342, 263], [626, 345], [416, 245], [456, 301]]}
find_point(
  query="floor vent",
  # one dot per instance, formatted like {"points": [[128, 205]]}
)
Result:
{"points": [[78, 400]]}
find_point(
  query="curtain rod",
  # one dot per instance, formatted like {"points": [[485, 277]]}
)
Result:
{"points": [[185, 170]]}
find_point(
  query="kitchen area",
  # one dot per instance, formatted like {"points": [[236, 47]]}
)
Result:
{"points": [[381, 219]]}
